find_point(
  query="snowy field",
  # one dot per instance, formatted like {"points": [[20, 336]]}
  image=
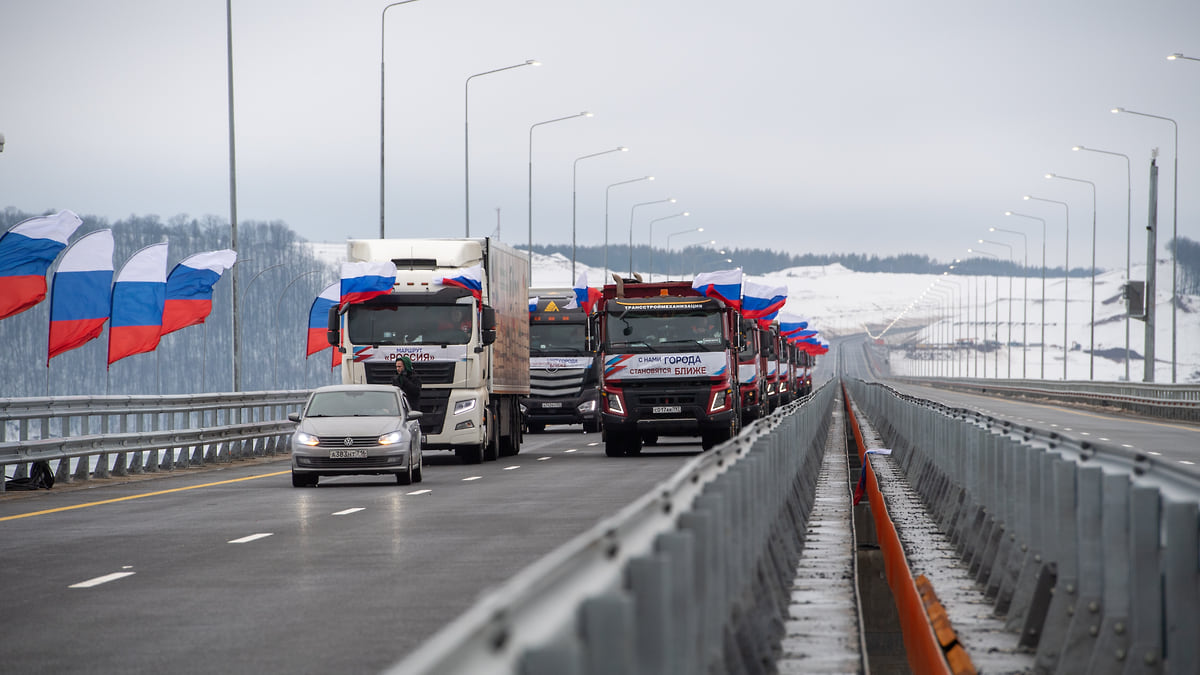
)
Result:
{"points": [[936, 311]]}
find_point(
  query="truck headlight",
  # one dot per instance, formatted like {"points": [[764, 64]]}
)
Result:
{"points": [[718, 400], [464, 406], [614, 403], [586, 407], [306, 439]]}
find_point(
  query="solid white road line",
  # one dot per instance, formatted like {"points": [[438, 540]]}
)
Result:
{"points": [[253, 537], [349, 511], [101, 580]]}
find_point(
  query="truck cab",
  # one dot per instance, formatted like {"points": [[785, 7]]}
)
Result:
{"points": [[564, 373], [670, 358], [752, 368]]}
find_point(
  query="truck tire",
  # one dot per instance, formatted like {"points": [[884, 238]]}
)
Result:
{"points": [[622, 443], [510, 445], [591, 427]]}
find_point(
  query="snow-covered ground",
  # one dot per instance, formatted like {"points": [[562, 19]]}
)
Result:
{"points": [[906, 310]]}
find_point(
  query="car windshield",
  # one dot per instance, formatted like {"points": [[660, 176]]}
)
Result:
{"points": [[665, 331], [557, 338], [409, 324], [353, 404]]}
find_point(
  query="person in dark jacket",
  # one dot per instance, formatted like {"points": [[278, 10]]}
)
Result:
{"points": [[409, 382]]}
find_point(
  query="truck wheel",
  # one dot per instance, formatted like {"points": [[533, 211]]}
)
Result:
{"points": [[537, 427], [591, 427], [616, 443]]}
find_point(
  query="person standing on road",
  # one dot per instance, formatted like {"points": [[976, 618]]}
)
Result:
{"points": [[409, 382]]}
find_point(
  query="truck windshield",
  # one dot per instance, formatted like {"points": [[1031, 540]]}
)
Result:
{"points": [[559, 338], [665, 331], [409, 324]]}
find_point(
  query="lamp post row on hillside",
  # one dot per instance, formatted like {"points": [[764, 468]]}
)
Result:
{"points": [[1024, 296], [1010, 303], [668, 200], [607, 193], [1043, 221], [1066, 271], [650, 238], [574, 201], [1092, 338], [530, 209], [467, 135]]}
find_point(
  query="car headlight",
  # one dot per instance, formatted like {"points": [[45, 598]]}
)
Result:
{"points": [[586, 407], [306, 439], [389, 439], [464, 406]]}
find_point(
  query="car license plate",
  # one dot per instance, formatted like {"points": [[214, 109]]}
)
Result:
{"points": [[347, 454], [552, 404], [666, 409]]}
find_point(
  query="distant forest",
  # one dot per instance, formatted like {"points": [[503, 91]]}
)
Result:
{"points": [[762, 261], [278, 280]]}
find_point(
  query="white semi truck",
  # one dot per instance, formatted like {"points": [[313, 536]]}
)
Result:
{"points": [[470, 346]]}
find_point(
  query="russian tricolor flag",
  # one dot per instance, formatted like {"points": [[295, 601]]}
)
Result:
{"points": [[762, 302], [79, 293], [585, 296], [725, 285], [362, 281], [26, 251], [138, 297], [318, 320], [470, 278], [190, 288], [789, 324]]}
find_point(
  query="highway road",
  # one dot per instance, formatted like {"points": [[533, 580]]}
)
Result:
{"points": [[235, 571]]}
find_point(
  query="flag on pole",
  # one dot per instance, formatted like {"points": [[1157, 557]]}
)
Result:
{"points": [[138, 297], [725, 285], [762, 302], [26, 251], [318, 320], [190, 288], [470, 278], [362, 281], [79, 293], [790, 323], [585, 296]]}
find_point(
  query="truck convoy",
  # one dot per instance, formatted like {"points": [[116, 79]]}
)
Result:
{"points": [[752, 369], [470, 346], [564, 373], [670, 358]]}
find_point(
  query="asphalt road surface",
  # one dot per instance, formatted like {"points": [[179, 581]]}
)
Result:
{"points": [[235, 571]]}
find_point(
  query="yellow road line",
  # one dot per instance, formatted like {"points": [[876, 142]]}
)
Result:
{"points": [[148, 494]]}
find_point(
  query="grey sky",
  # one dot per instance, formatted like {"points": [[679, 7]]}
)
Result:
{"points": [[870, 127]]}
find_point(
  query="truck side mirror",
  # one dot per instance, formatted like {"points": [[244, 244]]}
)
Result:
{"points": [[334, 334], [487, 336], [489, 319]]}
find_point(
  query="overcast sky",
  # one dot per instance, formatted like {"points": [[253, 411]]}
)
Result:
{"points": [[872, 127]]}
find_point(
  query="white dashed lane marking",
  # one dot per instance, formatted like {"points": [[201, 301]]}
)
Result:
{"points": [[542, 459], [472, 478], [101, 580], [420, 492], [514, 466], [250, 538], [349, 511]]}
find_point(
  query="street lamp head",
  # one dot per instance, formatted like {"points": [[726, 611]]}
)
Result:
{"points": [[686, 213], [979, 241], [1117, 110], [672, 200], [1049, 175], [1176, 55], [991, 229], [1077, 148], [649, 177], [587, 114], [533, 62], [699, 229], [1026, 197]]}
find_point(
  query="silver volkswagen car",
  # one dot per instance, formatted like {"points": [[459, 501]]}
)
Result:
{"points": [[356, 429]]}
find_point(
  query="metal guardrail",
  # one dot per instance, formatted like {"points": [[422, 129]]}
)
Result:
{"points": [[683, 580], [1170, 401], [133, 434], [1090, 551]]}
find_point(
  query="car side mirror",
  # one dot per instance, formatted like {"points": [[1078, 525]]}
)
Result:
{"points": [[415, 414], [295, 417]]}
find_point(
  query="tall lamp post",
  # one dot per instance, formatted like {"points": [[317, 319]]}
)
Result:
{"points": [[1174, 228], [1010, 302], [1176, 56], [651, 237], [574, 176], [235, 328], [1066, 272], [996, 367], [607, 193], [382, 82], [1092, 336], [1128, 232], [275, 361], [1025, 296], [531, 128], [1043, 221], [467, 134], [694, 229], [670, 200]]}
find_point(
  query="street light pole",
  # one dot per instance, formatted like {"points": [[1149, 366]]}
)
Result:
{"points": [[382, 82], [651, 238], [233, 221], [672, 234], [1043, 221], [996, 365], [1025, 297], [1174, 230], [574, 175], [1010, 303], [659, 201], [275, 361], [1128, 233], [607, 192], [1092, 338], [467, 134], [531, 128], [1066, 272]]}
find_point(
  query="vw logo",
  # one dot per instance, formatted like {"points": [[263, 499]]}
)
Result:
{"points": [[347, 441]]}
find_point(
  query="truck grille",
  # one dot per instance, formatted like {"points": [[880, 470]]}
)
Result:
{"points": [[439, 372], [562, 383]]}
